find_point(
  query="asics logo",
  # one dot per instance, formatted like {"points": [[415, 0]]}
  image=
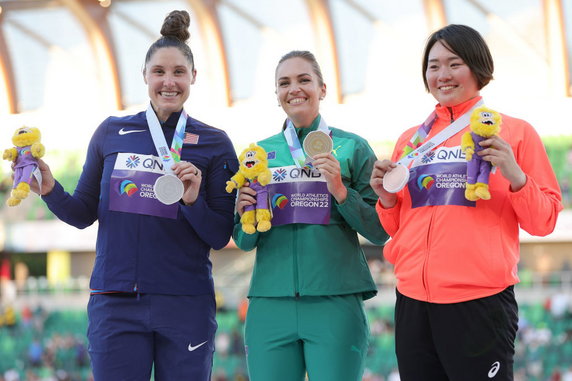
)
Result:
{"points": [[192, 348], [125, 132], [494, 369]]}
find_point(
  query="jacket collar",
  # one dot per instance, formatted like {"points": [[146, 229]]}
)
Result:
{"points": [[454, 112]]}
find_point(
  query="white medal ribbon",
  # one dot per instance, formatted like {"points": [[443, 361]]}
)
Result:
{"points": [[296, 150], [397, 178], [38, 175], [168, 188]]}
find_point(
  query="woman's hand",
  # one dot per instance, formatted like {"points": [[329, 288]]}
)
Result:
{"points": [[246, 197], [191, 177], [380, 168], [329, 167], [500, 154], [48, 181]]}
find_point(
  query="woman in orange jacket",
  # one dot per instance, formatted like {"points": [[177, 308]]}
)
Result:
{"points": [[455, 259]]}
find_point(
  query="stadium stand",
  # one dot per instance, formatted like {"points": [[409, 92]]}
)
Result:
{"points": [[40, 345]]}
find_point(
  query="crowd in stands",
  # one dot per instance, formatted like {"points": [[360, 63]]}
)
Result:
{"points": [[37, 345], [42, 346], [544, 342]]}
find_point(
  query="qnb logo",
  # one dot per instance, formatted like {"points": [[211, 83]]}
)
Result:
{"points": [[428, 157], [494, 369], [279, 174], [132, 161]]}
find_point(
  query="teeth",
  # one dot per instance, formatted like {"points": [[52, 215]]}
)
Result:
{"points": [[168, 93], [445, 88], [297, 101]]}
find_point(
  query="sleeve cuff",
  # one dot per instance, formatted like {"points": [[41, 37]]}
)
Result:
{"points": [[388, 211], [350, 200], [55, 195]]}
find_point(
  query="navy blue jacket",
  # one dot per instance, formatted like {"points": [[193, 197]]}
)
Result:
{"points": [[143, 253]]}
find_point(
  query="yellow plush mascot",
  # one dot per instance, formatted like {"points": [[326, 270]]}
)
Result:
{"points": [[24, 156], [253, 167], [484, 124]]}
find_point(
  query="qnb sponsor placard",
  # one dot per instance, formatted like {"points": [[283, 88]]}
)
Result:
{"points": [[438, 178], [131, 186], [298, 195]]}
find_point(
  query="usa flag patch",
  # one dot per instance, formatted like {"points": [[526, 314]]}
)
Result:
{"points": [[191, 138]]}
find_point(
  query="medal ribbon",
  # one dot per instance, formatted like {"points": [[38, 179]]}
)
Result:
{"points": [[296, 150], [172, 155], [420, 134], [414, 148]]}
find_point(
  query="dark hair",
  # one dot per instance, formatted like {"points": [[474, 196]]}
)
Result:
{"points": [[469, 45], [175, 33], [304, 54]]}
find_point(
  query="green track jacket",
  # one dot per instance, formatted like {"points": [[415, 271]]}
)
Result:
{"points": [[319, 260]]}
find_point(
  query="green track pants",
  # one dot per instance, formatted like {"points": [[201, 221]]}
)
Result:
{"points": [[325, 336]]}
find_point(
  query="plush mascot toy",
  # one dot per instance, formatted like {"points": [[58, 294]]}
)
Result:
{"points": [[253, 167], [24, 156], [484, 124]]}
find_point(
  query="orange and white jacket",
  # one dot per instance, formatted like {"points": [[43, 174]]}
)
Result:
{"points": [[447, 252]]}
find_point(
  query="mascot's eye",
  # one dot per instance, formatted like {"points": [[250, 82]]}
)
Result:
{"points": [[486, 114], [250, 154]]}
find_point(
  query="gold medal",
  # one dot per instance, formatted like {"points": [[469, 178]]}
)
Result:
{"points": [[317, 142]]}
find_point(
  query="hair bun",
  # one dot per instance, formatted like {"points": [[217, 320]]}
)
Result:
{"points": [[176, 25]]}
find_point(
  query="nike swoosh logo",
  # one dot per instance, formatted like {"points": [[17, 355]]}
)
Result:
{"points": [[191, 348], [125, 132]]}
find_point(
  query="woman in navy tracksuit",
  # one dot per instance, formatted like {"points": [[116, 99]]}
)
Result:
{"points": [[152, 301]]}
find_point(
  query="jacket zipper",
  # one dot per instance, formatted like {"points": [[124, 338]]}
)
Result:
{"points": [[427, 253], [428, 243], [135, 283], [295, 262]]}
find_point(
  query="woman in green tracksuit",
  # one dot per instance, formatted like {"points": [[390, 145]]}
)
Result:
{"points": [[310, 278]]}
